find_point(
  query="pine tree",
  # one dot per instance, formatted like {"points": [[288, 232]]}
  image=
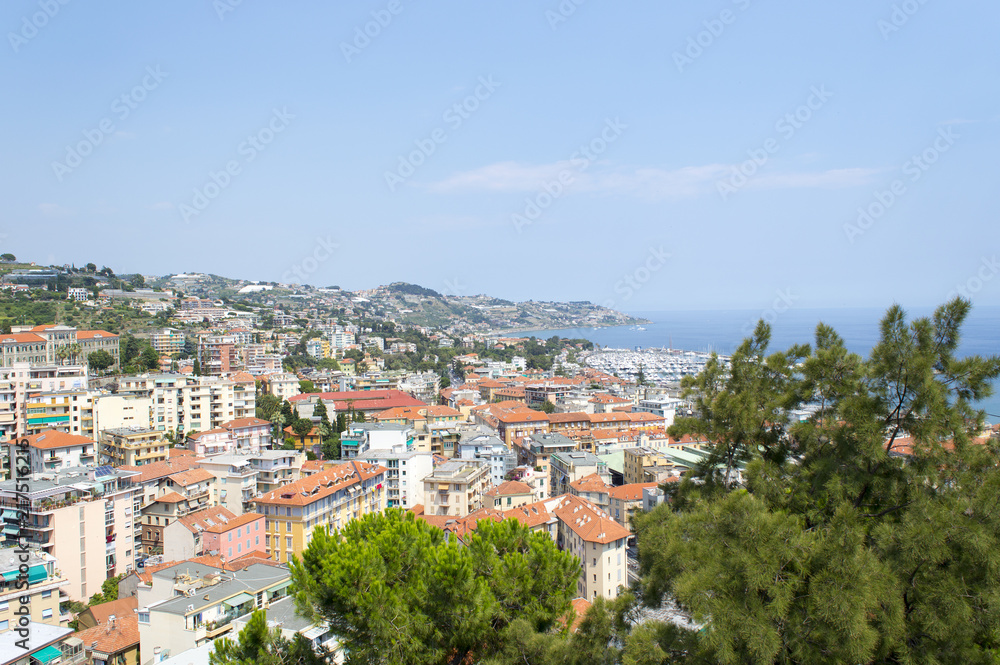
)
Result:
{"points": [[868, 533]]}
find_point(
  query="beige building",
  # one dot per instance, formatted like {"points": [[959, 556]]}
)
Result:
{"points": [[644, 464], [133, 446], [85, 518], [42, 591], [456, 488]]}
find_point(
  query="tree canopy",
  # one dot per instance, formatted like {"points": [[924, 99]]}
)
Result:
{"points": [[398, 591], [867, 533]]}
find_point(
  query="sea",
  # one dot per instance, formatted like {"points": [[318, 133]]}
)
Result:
{"points": [[723, 330]]}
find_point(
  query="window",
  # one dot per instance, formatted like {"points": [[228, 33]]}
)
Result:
{"points": [[4, 624], [256, 540], [4, 605], [47, 594], [47, 613], [230, 536], [230, 552]]}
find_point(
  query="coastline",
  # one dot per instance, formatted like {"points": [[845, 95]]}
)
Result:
{"points": [[512, 331]]}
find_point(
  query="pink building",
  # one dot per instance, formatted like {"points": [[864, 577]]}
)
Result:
{"points": [[236, 537]]}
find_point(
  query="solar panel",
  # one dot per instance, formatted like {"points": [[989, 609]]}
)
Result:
{"points": [[103, 471]]}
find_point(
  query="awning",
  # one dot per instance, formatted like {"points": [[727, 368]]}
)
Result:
{"points": [[9, 514], [281, 587], [238, 600], [11, 575], [47, 655], [37, 574], [11, 529]]}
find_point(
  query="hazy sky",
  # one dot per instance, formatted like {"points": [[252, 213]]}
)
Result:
{"points": [[649, 155]]}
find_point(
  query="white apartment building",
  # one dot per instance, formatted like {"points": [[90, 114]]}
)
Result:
{"points": [[186, 403]]}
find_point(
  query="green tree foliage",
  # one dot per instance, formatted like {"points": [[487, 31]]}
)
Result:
{"points": [[306, 387], [397, 591], [836, 547], [257, 644], [302, 427], [149, 359], [547, 407], [100, 360], [267, 406]]}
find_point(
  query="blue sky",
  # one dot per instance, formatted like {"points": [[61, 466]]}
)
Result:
{"points": [[646, 155]]}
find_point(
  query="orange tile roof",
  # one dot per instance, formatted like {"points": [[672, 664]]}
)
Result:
{"points": [[320, 485], [119, 608], [590, 483], [244, 422], [21, 338], [630, 492], [588, 521], [207, 518], [245, 518], [165, 468], [111, 640], [91, 334], [191, 476], [510, 488], [50, 438], [571, 417], [171, 497]]}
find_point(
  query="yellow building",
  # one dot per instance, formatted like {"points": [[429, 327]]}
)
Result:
{"points": [[133, 446], [644, 464], [329, 499], [43, 581]]}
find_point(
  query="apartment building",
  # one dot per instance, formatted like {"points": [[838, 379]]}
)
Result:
{"points": [[189, 604], [20, 381], [276, 468], [326, 500], [167, 341], [456, 488], [218, 354], [566, 467], [598, 541], [214, 530], [283, 386], [84, 517], [133, 446], [50, 451], [359, 438], [241, 436], [191, 403], [404, 475], [510, 494], [235, 485], [536, 451], [478, 444], [643, 464], [43, 579]]}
